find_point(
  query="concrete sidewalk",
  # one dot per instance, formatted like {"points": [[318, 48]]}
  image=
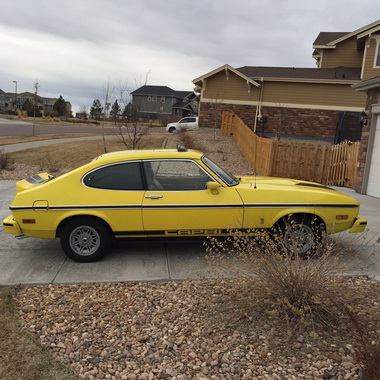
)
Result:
{"points": [[36, 144], [38, 261]]}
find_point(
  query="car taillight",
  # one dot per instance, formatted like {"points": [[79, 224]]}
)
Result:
{"points": [[29, 221]]}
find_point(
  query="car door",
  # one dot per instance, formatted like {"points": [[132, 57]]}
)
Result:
{"points": [[177, 201]]}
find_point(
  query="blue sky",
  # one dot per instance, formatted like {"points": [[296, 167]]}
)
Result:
{"points": [[75, 47]]}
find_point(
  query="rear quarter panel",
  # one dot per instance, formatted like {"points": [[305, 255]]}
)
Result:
{"points": [[65, 197]]}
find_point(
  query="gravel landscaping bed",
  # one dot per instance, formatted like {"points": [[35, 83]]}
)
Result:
{"points": [[221, 149], [195, 329]]}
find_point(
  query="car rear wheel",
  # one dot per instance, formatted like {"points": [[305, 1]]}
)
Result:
{"points": [[300, 235], [85, 240]]}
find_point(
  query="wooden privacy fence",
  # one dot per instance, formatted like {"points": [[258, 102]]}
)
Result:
{"points": [[310, 161]]}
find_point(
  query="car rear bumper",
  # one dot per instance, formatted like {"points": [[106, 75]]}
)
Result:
{"points": [[11, 226], [359, 225]]}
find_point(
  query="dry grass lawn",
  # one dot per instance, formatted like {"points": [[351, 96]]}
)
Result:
{"points": [[24, 139], [21, 355], [76, 153]]}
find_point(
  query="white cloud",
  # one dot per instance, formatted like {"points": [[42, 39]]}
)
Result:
{"points": [[74, 47]]}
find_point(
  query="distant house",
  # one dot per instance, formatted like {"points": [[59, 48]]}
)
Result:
{"points": [[3, 101], [299, 102], [11, 102], [152, 101]]}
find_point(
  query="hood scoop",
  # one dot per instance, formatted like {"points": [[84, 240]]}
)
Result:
{"points": [[310, 184]]}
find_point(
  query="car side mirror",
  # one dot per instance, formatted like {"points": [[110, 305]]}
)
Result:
{"points": [[213, 186]]}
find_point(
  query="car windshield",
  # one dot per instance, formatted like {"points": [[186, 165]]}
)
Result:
{"points": [[229, 179]]}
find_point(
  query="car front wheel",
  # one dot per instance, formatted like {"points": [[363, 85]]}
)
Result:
{"points": [[85, 240], [172, 129], [300, 235]]}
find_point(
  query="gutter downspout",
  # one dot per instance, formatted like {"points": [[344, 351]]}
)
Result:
{"points": [[258, 108]]}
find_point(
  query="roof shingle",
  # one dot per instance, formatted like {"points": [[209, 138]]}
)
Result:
{"points": [[325, 37]]}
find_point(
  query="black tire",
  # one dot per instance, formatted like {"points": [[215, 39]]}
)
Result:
{"points": [[301, 235], [85, 240], [172, 130]]}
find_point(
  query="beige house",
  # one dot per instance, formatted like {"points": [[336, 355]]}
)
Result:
{"points": [[299, 102]]}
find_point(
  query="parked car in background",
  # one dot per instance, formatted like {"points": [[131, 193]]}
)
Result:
{"points": [[184, 123], [172, 193]]}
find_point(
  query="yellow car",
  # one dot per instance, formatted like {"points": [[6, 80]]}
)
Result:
{"points": [[170, 193]]}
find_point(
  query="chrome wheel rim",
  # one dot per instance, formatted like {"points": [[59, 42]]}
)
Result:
{"points": [[84, 240], [299, 238]]}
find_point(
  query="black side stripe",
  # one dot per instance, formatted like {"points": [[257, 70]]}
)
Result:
{"points": [[185, 206], [176, 233], [307, 205]]}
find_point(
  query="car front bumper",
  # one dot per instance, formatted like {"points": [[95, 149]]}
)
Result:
{"points": [[359, 225]]}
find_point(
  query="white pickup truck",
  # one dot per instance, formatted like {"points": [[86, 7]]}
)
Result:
{"points": [[190, 122]]}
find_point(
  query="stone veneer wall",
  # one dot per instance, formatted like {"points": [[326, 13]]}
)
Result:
{"points": [[373, 97], [285, 121]]}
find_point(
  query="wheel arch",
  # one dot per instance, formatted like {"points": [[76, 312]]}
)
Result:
{"points": [[309, 216], [69, 219]]}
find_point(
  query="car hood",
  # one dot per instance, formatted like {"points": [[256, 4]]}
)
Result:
{"points": [[272, 189], [256, 181]]}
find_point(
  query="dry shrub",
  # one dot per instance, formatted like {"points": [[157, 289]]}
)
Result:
{"points": [[367, 348], [301, 291], [188, 141], [50, 164], [6, 161], [21, 114]]}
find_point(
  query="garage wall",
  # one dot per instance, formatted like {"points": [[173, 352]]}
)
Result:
{"points": [[372, 172], [368, 161]]}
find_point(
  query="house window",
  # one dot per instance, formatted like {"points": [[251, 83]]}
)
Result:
{"points": [[154, 98], [377, 63], [162, 99], [149, 98]]}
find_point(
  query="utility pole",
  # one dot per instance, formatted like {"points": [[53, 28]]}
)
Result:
{"points": [[14, 103], [36, 86]]}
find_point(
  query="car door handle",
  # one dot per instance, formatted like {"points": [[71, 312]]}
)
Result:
{"points": [[153, 196]]}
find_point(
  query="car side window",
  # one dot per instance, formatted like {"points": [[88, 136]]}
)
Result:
{"points": [[122, 176], [188, 120], [176, 175]]}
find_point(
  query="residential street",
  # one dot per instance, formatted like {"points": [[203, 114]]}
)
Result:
{"points": [[9, 127]]}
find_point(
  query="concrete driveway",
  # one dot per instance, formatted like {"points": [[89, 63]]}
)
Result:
{"points": [[39, 261]]}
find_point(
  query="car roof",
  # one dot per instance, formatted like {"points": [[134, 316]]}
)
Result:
{"points": [[145, 154]]}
